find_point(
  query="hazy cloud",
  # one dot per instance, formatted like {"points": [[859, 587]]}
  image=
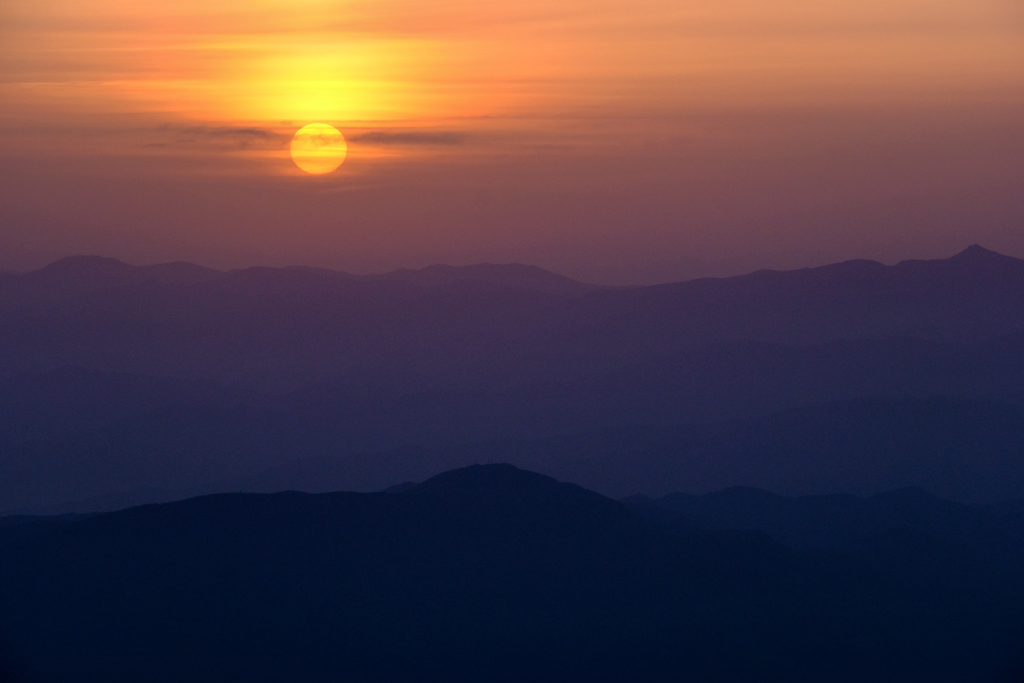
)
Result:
{"points": [[381, 137], [235, 137]]}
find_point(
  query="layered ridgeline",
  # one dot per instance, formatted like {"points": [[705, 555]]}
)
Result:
{"points": [[494, 573], [123, 384], [284, 328]]}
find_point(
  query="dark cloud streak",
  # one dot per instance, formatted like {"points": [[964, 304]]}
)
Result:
{"points": [[245, 138], [380, 137]]}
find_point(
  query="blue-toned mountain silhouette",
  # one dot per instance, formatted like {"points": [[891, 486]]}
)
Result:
{"points": [[122, 384], [494, 573]]}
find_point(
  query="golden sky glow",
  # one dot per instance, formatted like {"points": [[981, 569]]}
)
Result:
{"points": [[748, 105], [387, 60]]}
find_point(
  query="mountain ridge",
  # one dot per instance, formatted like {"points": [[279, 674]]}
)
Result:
{"points": [[964, 450], [284, 328], [84, 264], [107, 271], [484, 573], [179, 384]]}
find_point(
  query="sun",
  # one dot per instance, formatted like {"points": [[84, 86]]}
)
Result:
{"points": [[318, 148]]}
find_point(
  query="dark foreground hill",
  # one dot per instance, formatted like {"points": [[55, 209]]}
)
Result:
{"points": [[486, 573]]}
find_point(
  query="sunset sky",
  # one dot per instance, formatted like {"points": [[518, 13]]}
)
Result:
{"points": [[611, 140]]}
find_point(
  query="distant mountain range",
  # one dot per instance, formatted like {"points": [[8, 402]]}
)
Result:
{"points": [[125, 383], [494, 573], [478, 325], [840, 522]]}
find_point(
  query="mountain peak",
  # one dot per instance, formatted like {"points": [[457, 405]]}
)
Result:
{"points": [[497, 477], [86, 265], [979, 254], [104, 270], [504, 483]]}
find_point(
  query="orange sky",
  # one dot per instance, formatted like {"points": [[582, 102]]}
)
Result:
{"points": [[648, 131]]}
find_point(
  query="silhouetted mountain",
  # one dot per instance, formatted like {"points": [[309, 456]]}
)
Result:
{"points": [[511, 275], [974, 295], [78, 276], [993, 534], [484, 573], [646, 389], [384, 410], [966, 450], [478, 325], [44, 405]]}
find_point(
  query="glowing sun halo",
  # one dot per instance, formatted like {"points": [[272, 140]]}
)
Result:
{"points": [[318, 148]]}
